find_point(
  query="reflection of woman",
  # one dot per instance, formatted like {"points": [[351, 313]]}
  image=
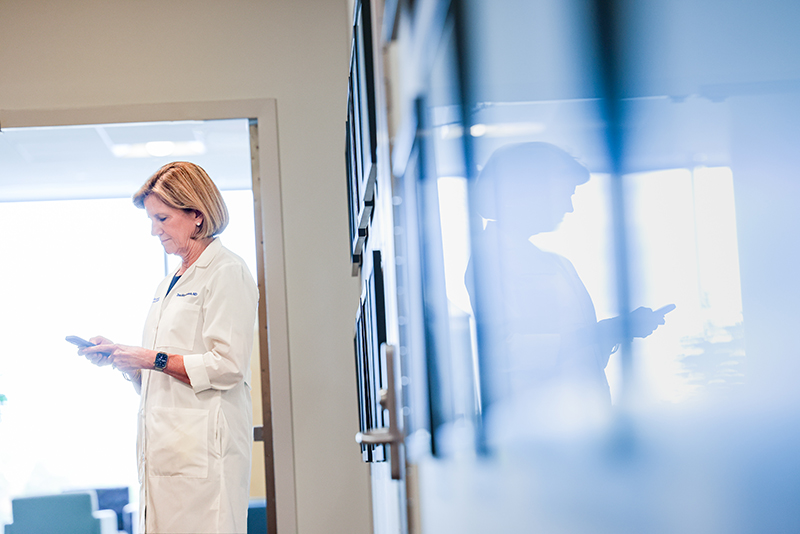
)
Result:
{"points": [[193, 370], [542, 317]]}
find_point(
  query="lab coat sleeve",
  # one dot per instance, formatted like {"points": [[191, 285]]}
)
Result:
{"points": [[229, 312]]}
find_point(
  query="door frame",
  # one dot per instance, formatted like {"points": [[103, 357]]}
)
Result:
{"points": [[277, 431]]}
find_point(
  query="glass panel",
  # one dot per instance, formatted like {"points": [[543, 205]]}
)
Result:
{"points": [[683, 288], [692, 224], [684, 253], [443, 203], [542, 250], [711, 135], [437, 327]]}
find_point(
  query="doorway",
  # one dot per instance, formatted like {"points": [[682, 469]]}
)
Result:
{"points": [[64, 198]]}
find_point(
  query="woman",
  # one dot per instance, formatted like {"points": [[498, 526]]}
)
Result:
{"points": [[193, 370], [534, 301]]}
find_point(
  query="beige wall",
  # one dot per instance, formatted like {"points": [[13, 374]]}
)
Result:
{"points": [[70, 54]]}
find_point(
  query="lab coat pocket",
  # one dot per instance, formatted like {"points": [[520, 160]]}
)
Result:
{"points": [[177, 442], [178, 325]]}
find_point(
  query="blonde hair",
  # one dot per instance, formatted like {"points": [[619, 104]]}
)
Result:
{"points": [[186, 186]]}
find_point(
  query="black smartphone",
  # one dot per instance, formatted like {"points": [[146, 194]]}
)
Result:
{"points": [[75, 340]]}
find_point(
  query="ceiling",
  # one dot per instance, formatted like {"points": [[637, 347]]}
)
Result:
{"points": [[114, 160]]}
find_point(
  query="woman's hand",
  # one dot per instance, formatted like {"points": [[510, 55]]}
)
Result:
{"points": [[128, 359], [641, 323], [94, 354], [131, 360]]}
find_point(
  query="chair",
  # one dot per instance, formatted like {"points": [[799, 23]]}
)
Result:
{"points": [[257, 516], [130, 518], [114, 499], [67, 513]]}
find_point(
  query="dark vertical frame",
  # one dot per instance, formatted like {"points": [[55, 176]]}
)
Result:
{"points": [[362, 133], [265, 434], [434, 298], [365, 69], [358, 219], [486, 334], [362, 381], [609, 25], [370, 334]]}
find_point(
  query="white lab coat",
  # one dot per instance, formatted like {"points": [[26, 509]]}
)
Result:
{"points": [[195, 442], [550, 325], [540, 309]]}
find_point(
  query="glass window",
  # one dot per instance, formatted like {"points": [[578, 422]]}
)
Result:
{"points": [[632, 182], [542, 264], [604, 276]]}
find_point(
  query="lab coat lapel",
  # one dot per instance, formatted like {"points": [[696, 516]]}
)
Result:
{"points": [[186, 278]]}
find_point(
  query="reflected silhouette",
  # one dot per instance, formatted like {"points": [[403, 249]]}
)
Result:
{"points": [[534, 302]]}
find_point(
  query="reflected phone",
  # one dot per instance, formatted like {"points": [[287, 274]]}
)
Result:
{"points": [[75, 340], [666, 309]]}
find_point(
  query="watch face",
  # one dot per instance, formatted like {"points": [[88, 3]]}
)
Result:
{"points": [[161, 361]]}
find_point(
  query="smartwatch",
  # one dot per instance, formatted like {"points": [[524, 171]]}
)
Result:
{"points": [[161, 361]]}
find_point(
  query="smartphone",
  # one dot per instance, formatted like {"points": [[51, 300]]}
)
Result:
{"points": [[666, 309], [75, 340]]}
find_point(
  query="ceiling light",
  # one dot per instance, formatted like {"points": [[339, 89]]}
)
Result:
{"points": [[160, 149], [478, 130]]}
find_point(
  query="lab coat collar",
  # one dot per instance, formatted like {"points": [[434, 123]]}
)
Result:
{"points": [[206, 256], [209, 253]]}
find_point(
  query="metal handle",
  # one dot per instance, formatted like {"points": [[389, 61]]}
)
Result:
{"points": [[391, 436]]}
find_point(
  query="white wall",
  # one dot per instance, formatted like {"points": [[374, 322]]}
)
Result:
{"points": [[84, 53]]}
